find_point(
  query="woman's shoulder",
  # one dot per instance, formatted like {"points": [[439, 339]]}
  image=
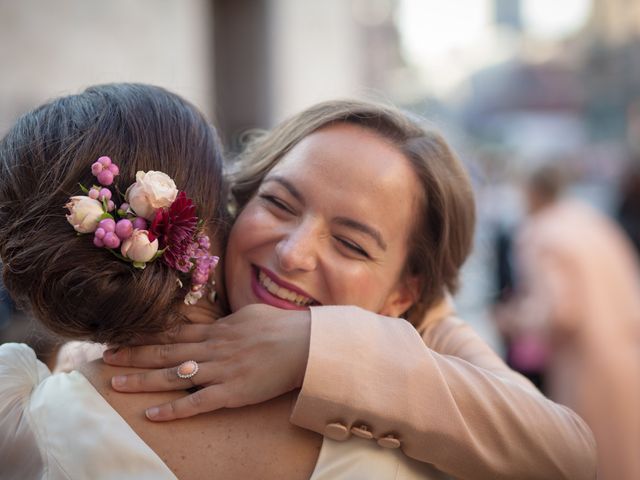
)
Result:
{"points": [[20, 370], [21, 373]]}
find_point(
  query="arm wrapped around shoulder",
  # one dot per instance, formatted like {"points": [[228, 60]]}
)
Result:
{"points": [[443, 398]]}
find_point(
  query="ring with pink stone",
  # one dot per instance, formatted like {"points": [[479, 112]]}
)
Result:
{"points": [[187, 369]]}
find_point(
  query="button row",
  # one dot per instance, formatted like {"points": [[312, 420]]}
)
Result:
{"points": [[339, 432]]}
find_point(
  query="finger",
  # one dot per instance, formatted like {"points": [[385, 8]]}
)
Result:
{"points": [[157, 356], [162, 380], [205, 400]]}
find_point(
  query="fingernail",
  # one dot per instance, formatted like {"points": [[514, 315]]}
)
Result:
{"points": [[119, 381], [152, 412]]}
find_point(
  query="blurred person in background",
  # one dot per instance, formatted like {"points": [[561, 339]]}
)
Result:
{"points": [[526, 350], [579, 291], [628, 209]]}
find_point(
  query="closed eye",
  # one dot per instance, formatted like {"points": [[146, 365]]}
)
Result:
{"points": [[354, 247], [276, 202]]}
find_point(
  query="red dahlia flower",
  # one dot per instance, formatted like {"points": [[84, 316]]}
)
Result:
{"points": [[175, 228]]}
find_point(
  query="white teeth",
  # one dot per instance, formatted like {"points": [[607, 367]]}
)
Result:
{"points": [[291, 296], [282, 292]]}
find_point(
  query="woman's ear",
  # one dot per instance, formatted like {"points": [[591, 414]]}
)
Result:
{"points": [[405, 294]]}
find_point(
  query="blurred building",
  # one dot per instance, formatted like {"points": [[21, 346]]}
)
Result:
{"points": [[246, 63], [614, 21], [276, 57], [508, 13], [610, 49], [53, 48]]}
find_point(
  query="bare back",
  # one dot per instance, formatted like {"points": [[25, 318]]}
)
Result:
{"points": [[256, 441]]}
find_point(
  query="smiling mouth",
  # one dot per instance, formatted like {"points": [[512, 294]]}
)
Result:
{"points": [[284, 293]]}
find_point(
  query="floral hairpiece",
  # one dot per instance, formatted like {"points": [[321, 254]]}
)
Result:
{"points": [[155, 221]]}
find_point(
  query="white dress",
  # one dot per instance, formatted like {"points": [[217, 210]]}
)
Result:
{"points": [[59, 427]]}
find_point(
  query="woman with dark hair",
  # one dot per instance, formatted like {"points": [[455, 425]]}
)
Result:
{"points": [[353, 203], [129, 258]]}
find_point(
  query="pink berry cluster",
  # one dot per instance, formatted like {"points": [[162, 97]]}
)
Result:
{"points": [[105, 171], [111, 234]]}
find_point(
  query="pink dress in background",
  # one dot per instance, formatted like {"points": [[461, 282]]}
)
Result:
{"points": [[582, 287]]}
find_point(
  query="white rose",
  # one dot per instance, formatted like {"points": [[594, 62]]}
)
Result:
{"points": [[84, 213], [152, 190], [138, 247]]}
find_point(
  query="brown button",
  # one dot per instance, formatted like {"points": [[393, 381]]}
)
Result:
{"points": [[389, 442], [336, 431], [362, 431]]}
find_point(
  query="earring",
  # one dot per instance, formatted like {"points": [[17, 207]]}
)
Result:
{"points": [[212, 291]]}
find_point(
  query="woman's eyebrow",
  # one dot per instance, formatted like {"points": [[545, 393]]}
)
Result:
{"points": [[286, 184], [364, 228]]}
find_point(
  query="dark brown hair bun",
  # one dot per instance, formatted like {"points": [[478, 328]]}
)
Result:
{"points": [[74, 288]]}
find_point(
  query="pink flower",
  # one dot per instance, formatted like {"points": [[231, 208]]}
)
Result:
{"points": [[84, 213], [152, 190], [138, 247]]}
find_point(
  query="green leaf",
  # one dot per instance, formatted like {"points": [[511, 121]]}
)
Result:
{"points": [[117, 255], [158, 254], [84, 189], [106, 215], [140, 265]]}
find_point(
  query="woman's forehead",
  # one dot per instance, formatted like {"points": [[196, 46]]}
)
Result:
{"points": [[344, 147], [352, 170]]}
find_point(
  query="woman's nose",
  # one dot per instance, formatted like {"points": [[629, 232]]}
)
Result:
{"points": [[297, 250]]}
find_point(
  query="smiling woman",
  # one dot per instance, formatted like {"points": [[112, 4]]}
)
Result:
{"points": [[351, 203], [397, 189], [294, 226]]}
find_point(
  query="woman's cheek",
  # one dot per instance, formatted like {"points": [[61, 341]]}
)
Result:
{"points": [[260, 217], [358, 289]]}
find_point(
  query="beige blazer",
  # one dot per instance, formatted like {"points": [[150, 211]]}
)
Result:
{"points": [[438, 393], [582, 288]]}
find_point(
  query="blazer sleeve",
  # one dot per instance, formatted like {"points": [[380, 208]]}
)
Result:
{"points": [[444, 398]]}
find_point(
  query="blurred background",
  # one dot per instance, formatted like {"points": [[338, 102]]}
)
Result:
{"points": [[513, 84]]}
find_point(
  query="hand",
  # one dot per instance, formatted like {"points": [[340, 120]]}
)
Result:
{"points": [[248, 357]]}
